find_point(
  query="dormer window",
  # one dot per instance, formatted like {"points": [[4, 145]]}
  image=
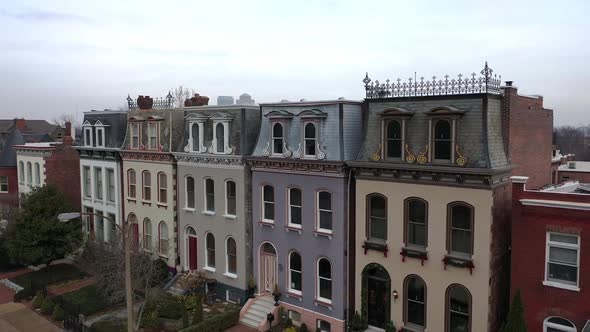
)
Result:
{"points": [[196, 139], [220, 138], [153, 135], [100, 137], [277, 139], [394, 139], [394, 132], [309, 138], [442, 140], [87, 136], [443, 133], [220, 143], [135, 134]]}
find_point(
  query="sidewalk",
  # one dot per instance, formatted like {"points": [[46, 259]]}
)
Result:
{"points": [[15, 317], [7, 294]]}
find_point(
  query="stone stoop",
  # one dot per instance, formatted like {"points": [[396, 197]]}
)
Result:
{"points": [[255, 312]]}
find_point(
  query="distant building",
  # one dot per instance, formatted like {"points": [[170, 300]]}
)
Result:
{"points": [[225, 100], [574, 170], [245, 99], [551, 256]]}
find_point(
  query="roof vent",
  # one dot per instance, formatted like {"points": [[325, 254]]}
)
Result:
{"points": [[284, 100], [571, 165], [341, 98]]}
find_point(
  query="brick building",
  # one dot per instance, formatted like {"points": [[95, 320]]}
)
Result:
{"points": [[551, 257], [574, 170]]}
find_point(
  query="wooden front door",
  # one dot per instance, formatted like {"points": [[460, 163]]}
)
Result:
{"points": [[192, 252], [269, 272]]}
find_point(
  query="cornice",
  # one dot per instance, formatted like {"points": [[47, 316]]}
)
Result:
{"points": [[209, 159], [328, 168], [147, 156]]}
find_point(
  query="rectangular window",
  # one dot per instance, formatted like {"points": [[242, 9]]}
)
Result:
{"points": [[88, 136], [209, 195], [153, 135], [37, 174], [3, 184], [562, 258], [21, 172], [162, 188], [230, 195], [99, 226], [98, 182], [295, 207], [268, 203], [86, 176], [295, 318], [135, 135], [131, 182], [147, 186], [100, 137], [110, 184], [112, 230], [324, 211], [323, 326]]}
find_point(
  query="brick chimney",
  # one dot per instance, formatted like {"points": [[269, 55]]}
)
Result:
{"points": [[68, 140], [20, 124], [197, 100]]}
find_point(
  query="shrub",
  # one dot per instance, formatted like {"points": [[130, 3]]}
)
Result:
{"points": [[47, 306], [198, 313], [150, 318], [357, 322], [86, 300], [161, 273], [290, 329], [184, 318], [26, 294], [109, 326], [49, 275], [58, 313], [191, 301], [216, 323], [317, 329], [38, 301], [288, 322], [389, 327], [303, 328]]}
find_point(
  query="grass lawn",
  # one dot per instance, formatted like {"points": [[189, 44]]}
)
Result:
{"points": [[87, 301], [49, 275]]}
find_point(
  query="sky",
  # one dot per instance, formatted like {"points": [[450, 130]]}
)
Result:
{"points": [[68, 57]]}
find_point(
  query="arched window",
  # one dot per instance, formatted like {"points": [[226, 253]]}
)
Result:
{"points": [[196, 145], [415, 302], [210, 247], [220, 137], [460, 233], [163, 232], [21, 170], [29, 173], [147, 234], [231, 252], [394, 139], [209, 195], [324, 211], [190, 192], [442, 140], [147, 185], [268, 203], [309, 137], [323, 325], [268, 249], [458, 306], [558, 324], [295, 276], [131, 183], [230, 198], [295, 207], [162, 188], [416, 219], [324, 285], [277, 138], [377, 215], [37, 174]]}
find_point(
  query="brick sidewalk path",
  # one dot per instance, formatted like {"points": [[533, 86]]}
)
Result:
{"points": [[241, 328], [7, 294], [12, 274], [70, 286]]}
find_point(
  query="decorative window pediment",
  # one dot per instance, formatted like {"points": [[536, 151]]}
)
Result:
{"points": [[313, 113], [279, 114], [136, 118], [196, 117], [98, 123], [396, 111], [86, 123], [220, 116], [445, 111], [220, 142], [155, 118]]}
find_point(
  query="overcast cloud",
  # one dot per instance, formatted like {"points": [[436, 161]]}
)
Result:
{"points": [[72, 56]]}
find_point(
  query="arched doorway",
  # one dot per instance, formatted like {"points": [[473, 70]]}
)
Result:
{"points": [[376, 295], [191, 248], [268, 267]]}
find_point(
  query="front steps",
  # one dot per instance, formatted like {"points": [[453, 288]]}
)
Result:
{"points": [[255, 313]]}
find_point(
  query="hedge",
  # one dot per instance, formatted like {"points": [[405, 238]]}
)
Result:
{"points": [[217, 323], [49, 275], [109, 326], [87, 301]]}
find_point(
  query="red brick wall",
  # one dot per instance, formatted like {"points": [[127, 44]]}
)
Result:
{"points": [[528, 129], [10, 199], [62, 169], [529, 227], [583, 177]]}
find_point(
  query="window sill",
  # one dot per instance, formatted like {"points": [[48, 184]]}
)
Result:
{"points": [[188, 209], [146, 202], [418, 253], [230, 216], [294, 295], [208, 213], [558, 284], [162, 205], [163, 256], [323, 233], [323, 303], [411, 329], [460, 262], [231, 275], [149, 251], [293, 229], [210, 269], [266, 223], [377, 246], [130, 200]]}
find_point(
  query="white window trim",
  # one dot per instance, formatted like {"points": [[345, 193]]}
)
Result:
{"points": [[227, 214], [7, 186], [88, 129], [263, 210], [384, 139], [135, 131], [152, 124], [201, 148], [317, 208], [547, 324], [207, 267], [289, 269], [272, 139], [111, 199], [205, 211], [86, 186], [548, 244], [100, 131], [99, 189], [186, 205], [160, 188], [129, 183], [289, 205], [318, 297], [432, 124], [227, 273], [226, 148], [143, 186], [316, 140]]}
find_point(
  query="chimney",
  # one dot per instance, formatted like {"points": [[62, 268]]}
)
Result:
{"points": [[145, 102], [20, 124], [68, 140], [197, 100]]}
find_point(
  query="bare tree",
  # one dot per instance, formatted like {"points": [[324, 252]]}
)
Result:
{"points": [[570, 139], [105, 262], [180, 94]]}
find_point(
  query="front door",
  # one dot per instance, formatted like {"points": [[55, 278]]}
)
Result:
{"points": [[269, 272], [377, 297], [192, 252]]}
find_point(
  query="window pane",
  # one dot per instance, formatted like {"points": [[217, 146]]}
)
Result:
{"points": [[442, 150], [209, 195], [296, 280], [277, 130], [562, 272], [325, 200], [378, 228], [417, 211], [571, 239], [269, 211], [295, 196], [269, 195], [219, 133], [394, 139], [325, 270], [416, 313], [442, 130], [295, 261], [190, 192], [458, 322], [310, 130], [460, 241], [326, 220], [231, 197], [377, 207], [324, 326], [461, 217], [195, 134], [416, 234], [296, 215], [562, 255], [326, 289]]}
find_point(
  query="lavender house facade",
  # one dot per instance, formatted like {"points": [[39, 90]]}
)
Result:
{"points": [[299, 207]]}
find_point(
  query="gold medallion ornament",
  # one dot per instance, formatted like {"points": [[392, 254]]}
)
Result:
{"points": [[461, 161], [422, 157], [410, 157], [377, 155]]}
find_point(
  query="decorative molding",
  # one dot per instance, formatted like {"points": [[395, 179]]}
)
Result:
{"points": [[422, 157], [410, 158], [556, 204], [286, 152], [149, 156], [377, 155], [461, 161], [303, 165], [320, 154], [265, 151], [219, 160], [297, 153]]}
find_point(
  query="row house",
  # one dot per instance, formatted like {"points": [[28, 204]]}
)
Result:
{"points": [[154, 131], [432, 195], [300, 192], [214, 206], [551, 255], [103, 133]]}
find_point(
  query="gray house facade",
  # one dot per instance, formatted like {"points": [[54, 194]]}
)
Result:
{"points": [[300, 190], [214, 207]]}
